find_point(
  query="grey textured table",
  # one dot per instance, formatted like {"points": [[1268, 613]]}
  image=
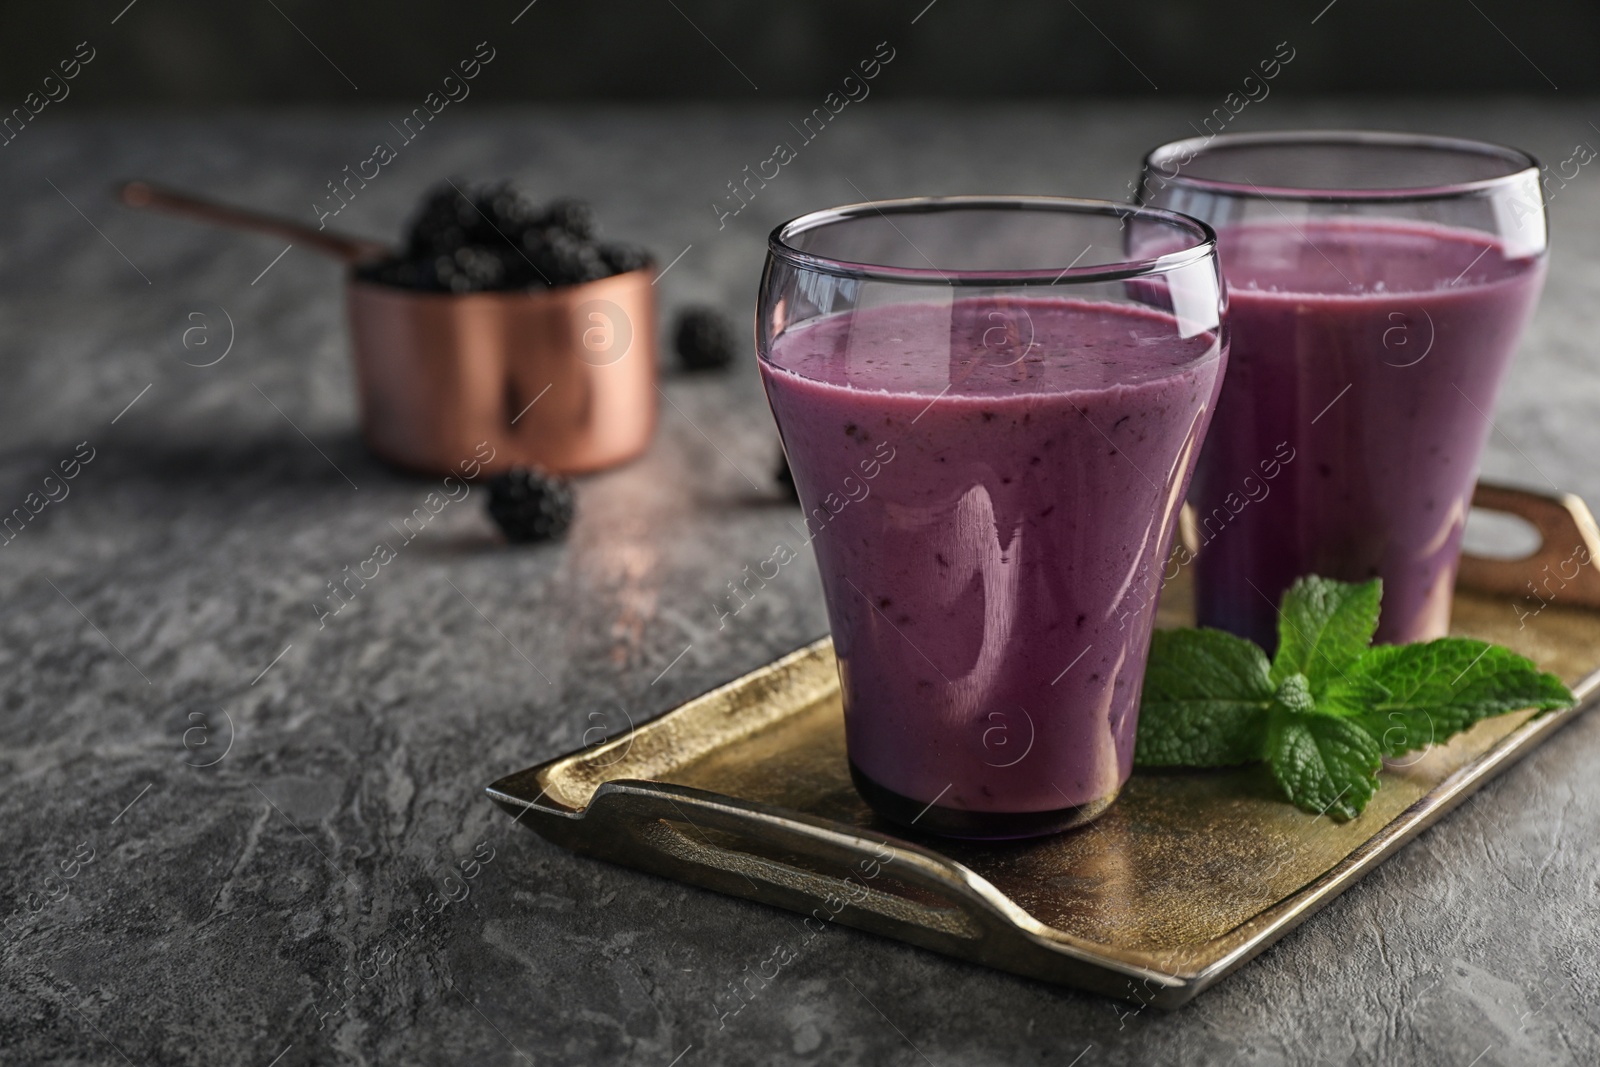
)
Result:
{"points": [[231, 912]]}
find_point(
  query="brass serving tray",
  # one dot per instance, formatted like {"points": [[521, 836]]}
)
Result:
{"points": [[745, 790]]}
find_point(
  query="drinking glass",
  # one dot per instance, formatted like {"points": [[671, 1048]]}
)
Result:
{"points": [[1377, 285], [991, 411]]}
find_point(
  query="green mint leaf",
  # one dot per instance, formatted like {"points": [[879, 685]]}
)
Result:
{"points": [[1352, 694], [1329, 707], [1324, 764], [1205, 702], [1439, 688], [1293, 696], [1323, 628]]}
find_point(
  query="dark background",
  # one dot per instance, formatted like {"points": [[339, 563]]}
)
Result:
{"points": [[261, 52]]}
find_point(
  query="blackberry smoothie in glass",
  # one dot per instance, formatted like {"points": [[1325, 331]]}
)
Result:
{"points": [[1377, 286], [991, 444]]}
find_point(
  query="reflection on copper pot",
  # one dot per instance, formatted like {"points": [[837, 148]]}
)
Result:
{"points": [[561, 378]]}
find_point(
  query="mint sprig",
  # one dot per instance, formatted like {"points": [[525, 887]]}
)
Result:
{"points": [[1330, 705]]}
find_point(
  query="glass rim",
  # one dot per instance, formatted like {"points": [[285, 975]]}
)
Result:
{"points": [[1204, 241], [1519, 163]]}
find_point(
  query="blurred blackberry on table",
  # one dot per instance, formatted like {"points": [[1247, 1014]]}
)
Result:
{"points": [[491, 238], [530, 505], [703, 339]]}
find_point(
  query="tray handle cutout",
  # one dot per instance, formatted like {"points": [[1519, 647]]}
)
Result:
{"points": [[827, 873], [1562, 568], [758, 851], [832, 893], [882, 884], [895, 887]]}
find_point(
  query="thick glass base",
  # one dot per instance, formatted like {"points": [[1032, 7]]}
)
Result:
{"points": [[973, 825]]}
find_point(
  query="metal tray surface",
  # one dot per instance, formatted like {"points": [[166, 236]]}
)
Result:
{"points": [[745, 790]]}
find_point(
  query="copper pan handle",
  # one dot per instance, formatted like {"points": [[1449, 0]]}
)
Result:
{"points": [[156, 198]]}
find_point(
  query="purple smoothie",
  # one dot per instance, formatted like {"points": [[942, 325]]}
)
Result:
{"points": [[990, 487], [1365, 359]]}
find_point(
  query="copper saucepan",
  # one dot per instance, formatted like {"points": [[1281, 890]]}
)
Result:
{"points": [[560, 378]]}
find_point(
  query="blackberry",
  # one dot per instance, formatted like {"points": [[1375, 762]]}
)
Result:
{"points": [[471, 269], [519, 269], [622, 258], [509, 211], [530, 505], [704, 339], [404, 273], [576, 217], [443, 223], [490, 237], [562, 259]]}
